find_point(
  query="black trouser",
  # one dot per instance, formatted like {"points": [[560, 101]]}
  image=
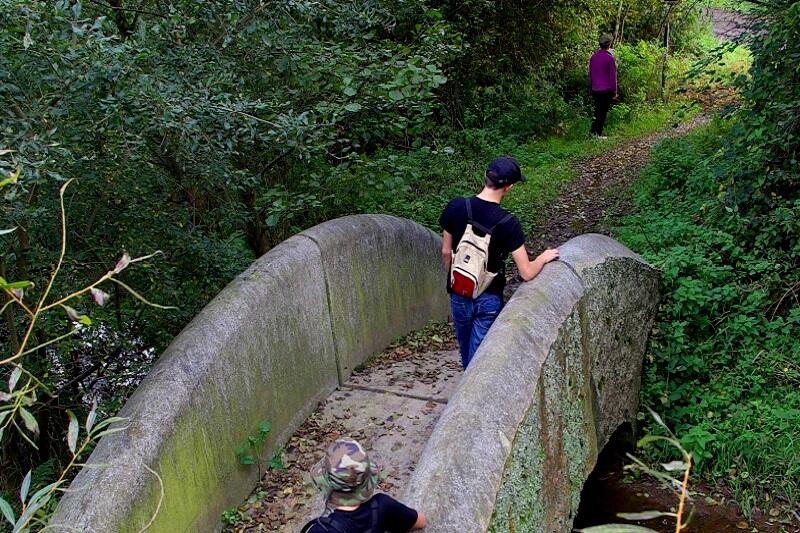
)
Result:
{"points": [[602, 103]]}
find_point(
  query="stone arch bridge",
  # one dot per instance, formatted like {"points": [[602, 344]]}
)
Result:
{"points": [[558, 372]]}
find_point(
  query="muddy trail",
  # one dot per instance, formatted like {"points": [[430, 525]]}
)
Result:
{"points": [[597, 195]]}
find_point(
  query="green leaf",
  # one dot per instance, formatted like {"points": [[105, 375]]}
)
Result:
{"points": [[15, 285], [644, 515], [395, 95], [647, 439], [72, 314], [353, 107], [11, 179], [108, 421], [14, 378], [674, 466], [30, 421], [43, 492], [350, 91], [30, 511], [110, 431], [617, 528], [91, 417], [272, 220], [658, 419], [264, 427], [26, 485], [7, 510], [72, 432]]}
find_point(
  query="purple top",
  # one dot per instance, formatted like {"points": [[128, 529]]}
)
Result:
{"points": [[603, 71]]}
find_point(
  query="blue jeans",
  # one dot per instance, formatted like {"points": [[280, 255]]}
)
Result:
{"points": [[473, 318]]}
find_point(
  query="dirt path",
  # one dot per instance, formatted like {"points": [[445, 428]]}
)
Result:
{"points": [[596, 195]]}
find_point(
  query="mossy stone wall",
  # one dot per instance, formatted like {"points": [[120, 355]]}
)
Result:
{"points": [[269, 347]]}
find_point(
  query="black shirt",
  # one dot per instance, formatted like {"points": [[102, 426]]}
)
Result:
{"points": [[506, 237], [392, 516]]}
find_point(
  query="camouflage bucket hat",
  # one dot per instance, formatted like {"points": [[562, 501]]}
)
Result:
{"points": [[346, 474]]}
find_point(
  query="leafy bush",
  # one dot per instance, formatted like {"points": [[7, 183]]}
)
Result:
{"points": [[724, 361], [640, 68]]}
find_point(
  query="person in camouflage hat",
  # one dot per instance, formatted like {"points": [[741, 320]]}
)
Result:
{"points": [[346, 473], [349, 479]]}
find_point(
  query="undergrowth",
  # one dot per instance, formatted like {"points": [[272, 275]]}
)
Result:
{"points": [[418, 184], [724, 359]]}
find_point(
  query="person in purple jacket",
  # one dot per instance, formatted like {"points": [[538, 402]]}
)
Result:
{"points": [[603, 77]]}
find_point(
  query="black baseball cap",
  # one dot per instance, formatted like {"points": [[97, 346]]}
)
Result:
{"points": [[504, 170]]}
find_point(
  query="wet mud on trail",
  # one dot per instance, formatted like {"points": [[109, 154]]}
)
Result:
{"points": [[597, 194]]}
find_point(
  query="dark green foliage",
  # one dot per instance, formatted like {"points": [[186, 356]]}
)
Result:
{"points": [[725, 359], [766, 135], [720, 215]]}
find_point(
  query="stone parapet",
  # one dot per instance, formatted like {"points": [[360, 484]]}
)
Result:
{"points": [[557, 373]]}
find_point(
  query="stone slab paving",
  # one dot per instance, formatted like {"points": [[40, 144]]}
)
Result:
{"points": [[430, 376], [391, 407]]}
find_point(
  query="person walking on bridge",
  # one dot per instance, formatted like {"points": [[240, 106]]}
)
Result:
{"points": [[603, 79], [478, 235]]}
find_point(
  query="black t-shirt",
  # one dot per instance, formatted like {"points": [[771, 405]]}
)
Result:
{"points": [[506, 237], [392, 516]]}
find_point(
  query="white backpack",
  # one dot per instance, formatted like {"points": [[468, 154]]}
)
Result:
{"points": [[469, 274]]}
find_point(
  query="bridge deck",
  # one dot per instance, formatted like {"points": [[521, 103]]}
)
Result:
{"points": [[391, 407]]}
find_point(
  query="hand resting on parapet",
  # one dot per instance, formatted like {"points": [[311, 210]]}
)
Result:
{"points": [[530, 269]]}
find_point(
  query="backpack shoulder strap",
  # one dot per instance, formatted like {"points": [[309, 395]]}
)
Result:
{"points": [[328, 523], [373, 526], [503, 220], [474, 223]]}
